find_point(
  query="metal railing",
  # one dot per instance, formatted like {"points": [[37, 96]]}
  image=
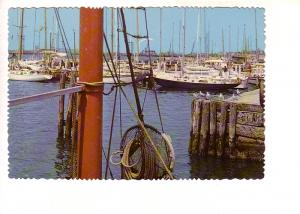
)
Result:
{"points": [[42, 96]]}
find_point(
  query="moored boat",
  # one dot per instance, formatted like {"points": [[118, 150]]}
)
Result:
{"points": [[28, 75]]}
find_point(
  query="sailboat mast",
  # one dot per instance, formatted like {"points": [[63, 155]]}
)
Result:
{"points": [[137, 33], [172, 49], [223, 49], [184, 29], [34, 30], [197, 39], [238, 39], [179, 38], [21, 34], [112, 31], [45, 26], [160, 32], [229, 40], [244, 39], [256, 48]]}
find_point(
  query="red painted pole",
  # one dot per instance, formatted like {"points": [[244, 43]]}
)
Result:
{"points": [[90, 108]]}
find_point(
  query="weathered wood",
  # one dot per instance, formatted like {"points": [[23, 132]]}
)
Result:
{"points": [[261, 83], [221, 130], [196, 124], [212, 127], [203, 145], [249, 146], [250, 118], [69, 120], [231, 127], [244, 107], [247, 140], [61, 109], [250, 107], [250, 131]]}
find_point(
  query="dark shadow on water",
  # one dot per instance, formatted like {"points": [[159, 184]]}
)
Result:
{"points": [[225, 168]]}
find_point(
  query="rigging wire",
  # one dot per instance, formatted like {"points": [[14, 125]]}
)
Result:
{"points": [[111, 132], [151, 72], [141, 123]]}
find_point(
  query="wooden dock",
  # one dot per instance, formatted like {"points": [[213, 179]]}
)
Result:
{"points": [[231, 128]]}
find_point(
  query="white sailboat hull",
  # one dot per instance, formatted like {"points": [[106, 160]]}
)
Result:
{"points": [[29, 77]]}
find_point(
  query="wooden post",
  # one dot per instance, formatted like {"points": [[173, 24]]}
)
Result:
{"points": [[68, 122], [204, 129], [212, 127], [90, 108], [196, 123], [61, 108], [221, 130], [232, 125]]}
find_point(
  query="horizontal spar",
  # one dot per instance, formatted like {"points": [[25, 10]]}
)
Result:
{"points": [[43, 96]]}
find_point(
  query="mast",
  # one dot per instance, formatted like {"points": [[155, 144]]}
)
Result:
{"points": [[90, 113], [160, 32], [34, 30], [137, 99], [244, 39], [229, 40], [137, 33], [53, 34], [45, 26], [256, 48], [184, 29], [172, 49], [21, 37], [223, 49], [74, 44], [197, 39], [112, 31], [204, 31], [238, 39], [179, 38]]}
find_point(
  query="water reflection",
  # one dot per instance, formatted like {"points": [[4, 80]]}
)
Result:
{"points": [[225, 168]]}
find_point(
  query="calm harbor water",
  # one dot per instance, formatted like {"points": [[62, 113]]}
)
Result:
{"points": [[34, 152]]}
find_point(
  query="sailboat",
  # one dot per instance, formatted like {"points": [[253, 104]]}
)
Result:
{"points": [[194, 77], [22, 70]]}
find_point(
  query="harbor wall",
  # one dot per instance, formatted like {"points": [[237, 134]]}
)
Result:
{"points": [[227, 129]]}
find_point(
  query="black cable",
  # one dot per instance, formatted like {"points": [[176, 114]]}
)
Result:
{"points": [[151, 73]]}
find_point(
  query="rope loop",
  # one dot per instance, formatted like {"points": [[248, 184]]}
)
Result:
{"points": [[113, 154]]}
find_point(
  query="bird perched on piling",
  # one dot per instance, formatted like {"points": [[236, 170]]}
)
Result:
{"points": [[221, 96], [207, 96]]}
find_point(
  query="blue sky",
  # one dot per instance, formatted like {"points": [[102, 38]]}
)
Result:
{"points": [[233, 21]]}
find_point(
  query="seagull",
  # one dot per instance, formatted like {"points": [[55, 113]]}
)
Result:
{"points": [[233, 96], [195, 95], [201, 94], [238, 91], [221, 96], [207, 96]]}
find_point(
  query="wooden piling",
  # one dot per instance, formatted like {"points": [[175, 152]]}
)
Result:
{"points": [[196, 124], [90, 110], [231, 128], [204, 131], [61, 108], [221, 130], [68, 123], [212, 127]]}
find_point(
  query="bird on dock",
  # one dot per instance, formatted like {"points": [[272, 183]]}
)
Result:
{"points": [[233, 97], [196, 95], [221, 96], [207, 96], [201, 94]]}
